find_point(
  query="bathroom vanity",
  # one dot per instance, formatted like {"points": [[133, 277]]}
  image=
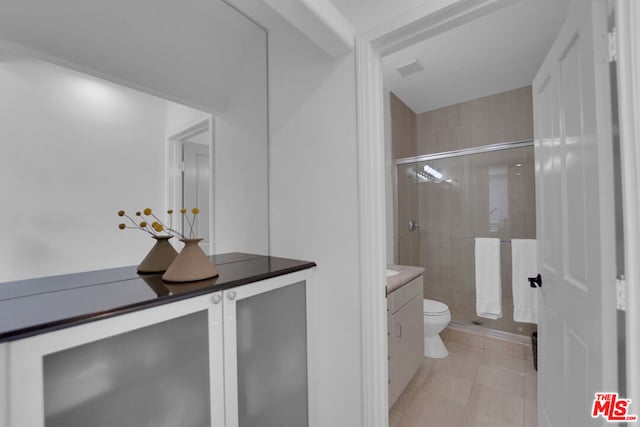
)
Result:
{"points": [[113, 347], [405, 333]]}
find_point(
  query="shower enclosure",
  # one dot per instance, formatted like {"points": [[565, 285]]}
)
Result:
{"points": [[445, 201]]}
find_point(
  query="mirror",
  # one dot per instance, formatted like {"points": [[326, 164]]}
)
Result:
{"points": [[97, 101]]}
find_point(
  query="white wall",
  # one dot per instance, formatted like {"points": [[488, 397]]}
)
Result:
{"points": [[74, 151], [314, 207], [240, 159]]}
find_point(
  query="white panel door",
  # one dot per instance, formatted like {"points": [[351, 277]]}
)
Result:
{"points": [[575, 221], [195, 190]]}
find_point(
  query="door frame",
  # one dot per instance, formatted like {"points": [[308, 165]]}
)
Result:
{"points": [[628, 59], [417, 25], [173, 168]]}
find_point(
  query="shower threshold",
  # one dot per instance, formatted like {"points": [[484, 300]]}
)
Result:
{"points": [[494, 333]]}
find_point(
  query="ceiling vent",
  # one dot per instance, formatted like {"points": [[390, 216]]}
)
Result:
{"points": [[410, 68]]}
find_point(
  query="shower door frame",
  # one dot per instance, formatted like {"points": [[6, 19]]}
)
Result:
{"points": [[501, 146], [466, 151]]}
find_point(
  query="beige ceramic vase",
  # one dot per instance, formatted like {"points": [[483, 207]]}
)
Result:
{"points": [[159, 257], [190, 265]]}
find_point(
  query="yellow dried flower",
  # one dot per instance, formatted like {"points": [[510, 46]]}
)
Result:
{"points": [[195, 211], [138, 213], [122, 226], [170, 211], [158, 227], [143, 224], [183, 211], [120, 213], [147, 211]]}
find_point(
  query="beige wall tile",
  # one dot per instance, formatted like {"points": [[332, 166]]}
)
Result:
{"points": [[403, 129], [502, 117]]}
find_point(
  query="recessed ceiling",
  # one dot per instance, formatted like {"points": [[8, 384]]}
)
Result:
{"points": [[495, 53]]}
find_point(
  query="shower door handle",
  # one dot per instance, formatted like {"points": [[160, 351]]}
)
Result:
{"points": [[413, 225]]}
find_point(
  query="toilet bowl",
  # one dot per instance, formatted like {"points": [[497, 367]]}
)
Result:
{"points": [[436, 318]]}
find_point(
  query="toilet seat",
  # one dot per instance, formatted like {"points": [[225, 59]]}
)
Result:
{"points": [[434, 308]]}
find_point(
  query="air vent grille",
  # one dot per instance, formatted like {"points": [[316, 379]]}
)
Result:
{"points": [[410, 68]]}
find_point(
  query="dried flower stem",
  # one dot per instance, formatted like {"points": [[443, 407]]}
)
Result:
{"points": [[158, 226], [169, 229]]}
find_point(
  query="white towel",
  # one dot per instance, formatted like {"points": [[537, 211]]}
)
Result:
{"points": [[488, 282], [524, 262]]}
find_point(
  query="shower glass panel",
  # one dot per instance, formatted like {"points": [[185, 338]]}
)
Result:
{"points": [[459, 198]]}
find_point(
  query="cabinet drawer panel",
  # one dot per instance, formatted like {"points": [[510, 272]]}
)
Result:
{"points": [[403, 295]]}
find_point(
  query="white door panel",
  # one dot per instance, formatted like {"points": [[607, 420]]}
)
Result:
{"points": [[573, 180], [196, 179]]}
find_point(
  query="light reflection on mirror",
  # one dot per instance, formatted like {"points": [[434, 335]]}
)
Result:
{"points": [[77, 148]]}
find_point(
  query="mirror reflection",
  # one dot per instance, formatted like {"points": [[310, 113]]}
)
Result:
{"points": [[79, 146]]}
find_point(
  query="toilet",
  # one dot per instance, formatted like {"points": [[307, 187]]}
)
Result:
{"points": [[436, 318]]}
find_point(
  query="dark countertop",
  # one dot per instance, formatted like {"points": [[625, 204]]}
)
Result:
{"points": [[34, 306]]}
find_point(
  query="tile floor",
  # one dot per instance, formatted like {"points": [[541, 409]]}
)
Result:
{"points": [[483, 382]]}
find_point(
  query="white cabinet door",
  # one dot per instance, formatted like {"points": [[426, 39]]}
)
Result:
{"points": [[575, 220], [158, 366], [266, 357], [407, 330]]}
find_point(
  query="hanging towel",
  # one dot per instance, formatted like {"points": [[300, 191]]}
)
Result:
{"points": [[524, 261], [488, 282]]}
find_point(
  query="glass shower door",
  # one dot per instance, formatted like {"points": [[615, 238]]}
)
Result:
{"points": [[408, 222], [459, 198]]}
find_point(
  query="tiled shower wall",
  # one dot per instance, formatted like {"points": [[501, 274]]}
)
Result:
{"points": [[451, 214], [503, 117]]}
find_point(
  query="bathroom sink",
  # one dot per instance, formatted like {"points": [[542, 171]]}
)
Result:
{"points": [[391, 272]]}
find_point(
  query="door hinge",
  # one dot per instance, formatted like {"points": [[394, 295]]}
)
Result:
{"points": [[613, 46], [621, 294]]}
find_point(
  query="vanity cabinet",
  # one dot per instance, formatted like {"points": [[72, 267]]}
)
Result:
{"points": [[230, 358], [405, 335]]}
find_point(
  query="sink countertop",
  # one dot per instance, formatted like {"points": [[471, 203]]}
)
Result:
{"points": [[405, 274]]}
